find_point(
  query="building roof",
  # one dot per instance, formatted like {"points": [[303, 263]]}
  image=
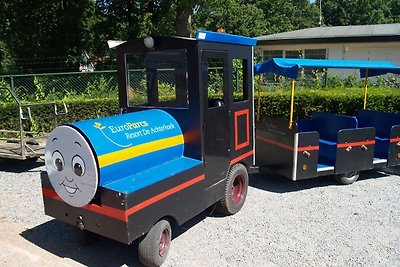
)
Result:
{"points": [[337, 34]]}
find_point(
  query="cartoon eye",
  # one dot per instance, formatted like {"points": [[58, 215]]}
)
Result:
{"points": [[78, 165], [58, 160]]}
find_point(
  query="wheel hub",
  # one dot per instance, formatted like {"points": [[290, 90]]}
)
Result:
{"points": [[237, 189], [163, 246]]}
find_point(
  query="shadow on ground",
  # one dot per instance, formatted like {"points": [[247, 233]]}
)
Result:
{"points": [[19, 166], [53, 237], [273, 182]]}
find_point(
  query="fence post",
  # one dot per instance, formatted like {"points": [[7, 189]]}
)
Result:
{"points": [[12, 83]]}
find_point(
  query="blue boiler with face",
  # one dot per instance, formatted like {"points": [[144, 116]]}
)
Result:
{"points": [[84, 155]]}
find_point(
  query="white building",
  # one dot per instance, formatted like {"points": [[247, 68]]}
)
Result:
{"points": [[365, 42]]}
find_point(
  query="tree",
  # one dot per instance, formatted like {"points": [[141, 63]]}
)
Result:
{"points": [[51, 31], [359, 12], [6, 59], [137, 18], [288, 15], [395, 10], [38, 36], [183, 18], [235, 17]]}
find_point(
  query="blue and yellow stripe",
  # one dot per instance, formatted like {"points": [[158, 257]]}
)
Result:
{"points": [[139, 150]]}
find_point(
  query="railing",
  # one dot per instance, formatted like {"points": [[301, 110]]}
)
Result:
{"points": [[36, 88], [20, 148], [57, 86]]}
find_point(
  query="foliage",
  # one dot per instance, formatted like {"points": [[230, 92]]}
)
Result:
{"points": [[100, 87], [50, 36], [166, 91], [341, 101], [359, 12], [287, 15], [43, 117], [6, 58], [235, 17], [273, 103], [49, 29]]}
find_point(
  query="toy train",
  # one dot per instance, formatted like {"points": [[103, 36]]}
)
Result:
{"points": [[166, 157]]}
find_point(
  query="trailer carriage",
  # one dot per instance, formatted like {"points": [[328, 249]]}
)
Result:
{"points": [[327, 143]]}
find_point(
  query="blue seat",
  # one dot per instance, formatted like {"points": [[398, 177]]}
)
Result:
{"points": [[383, 123], [152, 175], [328, 125]]}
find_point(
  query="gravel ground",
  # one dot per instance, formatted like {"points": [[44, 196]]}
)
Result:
{"points": [[283, 223]]}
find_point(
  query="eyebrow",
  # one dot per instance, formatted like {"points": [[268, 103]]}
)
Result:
{"points": [[54, 139], [78, 144]]}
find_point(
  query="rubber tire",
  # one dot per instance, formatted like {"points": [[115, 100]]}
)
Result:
{"points": [[82, 237], [226, 205], [149, 246], [347, 178]]}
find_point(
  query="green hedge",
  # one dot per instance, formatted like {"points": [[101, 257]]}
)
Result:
{"points": [[342, 101], [43, 118]]}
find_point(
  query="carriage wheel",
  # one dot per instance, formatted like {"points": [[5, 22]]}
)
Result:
{"points": [[348, 177], [154, 247], [235, 190]]}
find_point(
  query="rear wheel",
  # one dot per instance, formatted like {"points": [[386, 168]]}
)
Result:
{"points": [[235, 190], [154, 247], [348, 177]]}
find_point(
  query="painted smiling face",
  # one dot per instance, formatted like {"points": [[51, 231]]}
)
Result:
{"points": [[71, 166]]}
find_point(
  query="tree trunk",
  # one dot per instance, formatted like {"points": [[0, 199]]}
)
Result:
{"points": [[132, 21], [183, 21]]}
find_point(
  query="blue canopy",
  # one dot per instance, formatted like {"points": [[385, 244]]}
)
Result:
{"points": [[289, 67]]}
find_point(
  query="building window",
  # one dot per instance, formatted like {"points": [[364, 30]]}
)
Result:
{"points": [[268, 54], [294, 54], [315, 53]]}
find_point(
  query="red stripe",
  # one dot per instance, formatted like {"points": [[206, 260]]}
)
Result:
{"points": [[122, 215], [299, 149], [372, 142], [107, 211], [165, 194], [307, 148], [274, 142], [50, 193], [393, 140], [247, 142], [245, 155]]}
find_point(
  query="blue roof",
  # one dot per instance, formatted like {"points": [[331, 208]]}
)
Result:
{"points": [[289, 67], [225, 38]]}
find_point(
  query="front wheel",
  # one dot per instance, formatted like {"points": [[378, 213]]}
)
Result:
{"points": [[235, 190], [348, 177], [154, 247]]}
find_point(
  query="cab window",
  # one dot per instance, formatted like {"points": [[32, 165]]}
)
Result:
{"points": [[157, 78], [239, 79]]}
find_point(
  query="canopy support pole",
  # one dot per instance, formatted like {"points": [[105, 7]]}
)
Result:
{"points": [[291, 106], [259, 98], [366, 88]]}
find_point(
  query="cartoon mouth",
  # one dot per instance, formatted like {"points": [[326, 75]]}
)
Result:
{"points": [[69, 189]]}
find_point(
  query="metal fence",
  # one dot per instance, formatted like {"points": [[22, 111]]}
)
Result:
{"points": [[54, 86], [58, 86]]}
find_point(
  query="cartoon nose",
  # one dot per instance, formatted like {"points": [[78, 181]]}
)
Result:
{"points": [[72, 179]]}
